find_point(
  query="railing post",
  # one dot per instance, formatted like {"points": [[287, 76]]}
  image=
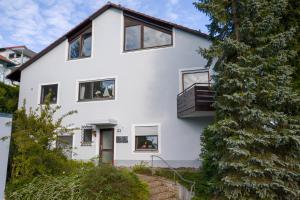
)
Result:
{"points": [[152, 170]]}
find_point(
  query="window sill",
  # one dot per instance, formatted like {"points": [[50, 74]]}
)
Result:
{"points": [[146, 151], [95, 100], [149, 48], [86, 144], [81, 58]]}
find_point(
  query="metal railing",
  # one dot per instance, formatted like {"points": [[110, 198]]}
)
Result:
{"points": [[192, 183], [208, 84]]}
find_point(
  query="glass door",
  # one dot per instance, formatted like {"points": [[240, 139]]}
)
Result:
{"points": [[107, 145]]}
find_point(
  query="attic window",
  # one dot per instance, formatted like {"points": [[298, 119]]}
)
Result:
{"points": [[81, 45], [143, 35]]}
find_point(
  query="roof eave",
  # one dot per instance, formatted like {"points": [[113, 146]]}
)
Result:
{"points": [[15, 75]]}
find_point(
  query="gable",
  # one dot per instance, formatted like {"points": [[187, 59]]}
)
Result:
{"points": [[15, 74]]}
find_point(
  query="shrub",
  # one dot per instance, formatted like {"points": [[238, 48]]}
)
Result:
{"points": [[8, 98], [98, 183], [49, 187], [32, 152], [108, 183], [142, 168]]}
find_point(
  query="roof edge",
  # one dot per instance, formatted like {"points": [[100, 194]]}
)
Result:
{"points": [[16, 73]]}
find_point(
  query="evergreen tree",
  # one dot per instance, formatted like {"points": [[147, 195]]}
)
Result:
{"points": [[252, 151]]}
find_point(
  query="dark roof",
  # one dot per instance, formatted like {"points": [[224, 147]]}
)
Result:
{"points": [[15, 74]]}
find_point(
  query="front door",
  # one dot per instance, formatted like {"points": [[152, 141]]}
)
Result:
{"points": [[107, 145]]}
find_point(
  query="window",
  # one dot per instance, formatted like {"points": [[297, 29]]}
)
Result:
{"points": [[191, 77], [81, 46], [49, 91], [18, 55], [141, 35], [146, 138], [11, 55], [97, 90], [65, 143], [87, 136]]}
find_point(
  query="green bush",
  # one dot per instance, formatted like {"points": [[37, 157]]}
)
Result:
{"points": [[108, 183], [49, 187], [32, 153], [8, 98], [97, 183], [142, 168]]}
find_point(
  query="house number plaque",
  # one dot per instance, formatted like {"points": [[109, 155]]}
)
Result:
{"points": [[122, 139]]}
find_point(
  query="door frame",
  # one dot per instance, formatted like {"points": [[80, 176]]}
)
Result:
{"points": [[113, 142]]}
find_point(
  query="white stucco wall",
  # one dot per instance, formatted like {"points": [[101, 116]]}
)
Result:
{"points": [[5, 131], [147, 83]]}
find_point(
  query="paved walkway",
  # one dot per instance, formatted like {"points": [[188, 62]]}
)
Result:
{"points": [[160, 188]]}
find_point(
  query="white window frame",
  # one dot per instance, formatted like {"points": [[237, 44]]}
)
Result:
{"points": [[40, 92], [158, 138], [184, 70], [92, 80]]}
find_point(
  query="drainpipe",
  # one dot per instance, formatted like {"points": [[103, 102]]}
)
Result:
{"points": [[22, 56]]}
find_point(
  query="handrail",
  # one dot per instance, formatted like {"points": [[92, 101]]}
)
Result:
{"points": [[191, 86], [175, 172]]}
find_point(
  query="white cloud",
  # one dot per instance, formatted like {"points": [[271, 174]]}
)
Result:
{"points": [[37, 23]]}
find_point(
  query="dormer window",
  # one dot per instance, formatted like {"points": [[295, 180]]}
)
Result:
{"points": [[81, 45], [140, 34]]}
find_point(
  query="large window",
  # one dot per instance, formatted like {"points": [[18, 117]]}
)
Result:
{"points": [[141, 35], [97, 90], [81, 45], [146, 138], [191, 77], [49, 92]]}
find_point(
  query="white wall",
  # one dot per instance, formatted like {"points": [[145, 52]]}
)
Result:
{"points": [[5, 131], [147, 83]]}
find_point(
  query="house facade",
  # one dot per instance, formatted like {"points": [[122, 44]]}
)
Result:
{"points": [[11, 58], [133, 80]]}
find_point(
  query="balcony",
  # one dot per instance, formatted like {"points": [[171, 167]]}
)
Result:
{"points": [[196, 101]]}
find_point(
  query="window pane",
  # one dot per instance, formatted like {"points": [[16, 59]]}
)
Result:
{"points": [[11, 55], [74, 49], [104, 89], [87, 44], [85, 91], [65, 143], [50, 90], [133, 37], [153, 38], [87, 135], [149, 142], [190, 78]]}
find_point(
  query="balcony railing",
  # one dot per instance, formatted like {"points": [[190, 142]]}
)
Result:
{"points": [[195, 101]]}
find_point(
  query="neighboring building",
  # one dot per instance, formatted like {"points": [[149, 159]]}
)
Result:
{"points": [[5, 68], [138, 83], [12, 57]]}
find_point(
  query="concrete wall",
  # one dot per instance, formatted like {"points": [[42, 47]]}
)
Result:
{"points": [[5, 131], [147, 83]]}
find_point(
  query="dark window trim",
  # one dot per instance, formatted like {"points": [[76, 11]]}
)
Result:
{"points": [[76, 36], [145, 150], [41, 95], [143, 23], [96, 99]]}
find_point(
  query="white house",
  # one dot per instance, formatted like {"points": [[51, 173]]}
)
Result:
{"points": [[131, 78], [12, 57]]}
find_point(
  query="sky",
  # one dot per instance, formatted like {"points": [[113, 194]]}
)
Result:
{"points": [[37, 23]]}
